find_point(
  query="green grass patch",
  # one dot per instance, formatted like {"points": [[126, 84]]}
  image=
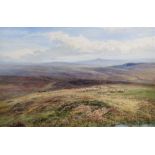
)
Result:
{"points": [[148, 94]]}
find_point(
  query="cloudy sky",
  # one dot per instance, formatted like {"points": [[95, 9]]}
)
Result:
{"points": [[74, 44]]}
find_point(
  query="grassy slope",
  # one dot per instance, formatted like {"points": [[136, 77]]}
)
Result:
{"points": [[104, 105]]}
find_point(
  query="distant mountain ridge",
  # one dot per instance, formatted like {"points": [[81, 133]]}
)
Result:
{"points": [[102, 62], [127, 72]]}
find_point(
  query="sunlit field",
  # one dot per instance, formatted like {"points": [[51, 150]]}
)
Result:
{"points": [[103, 105]]}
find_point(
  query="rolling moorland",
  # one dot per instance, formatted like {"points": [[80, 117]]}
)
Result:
{"points": [[77, 94]]}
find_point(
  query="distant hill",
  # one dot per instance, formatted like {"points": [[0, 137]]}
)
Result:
{"points": [[129, 65], [101, 62], [133, 72], [128, 72]]}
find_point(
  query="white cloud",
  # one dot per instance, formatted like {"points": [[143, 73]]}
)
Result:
{"points": [[83, 44], [16, 49], [79, 42], [17, 54]]}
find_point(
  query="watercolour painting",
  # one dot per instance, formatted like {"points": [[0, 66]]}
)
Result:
{"points": [[77, 76]]}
